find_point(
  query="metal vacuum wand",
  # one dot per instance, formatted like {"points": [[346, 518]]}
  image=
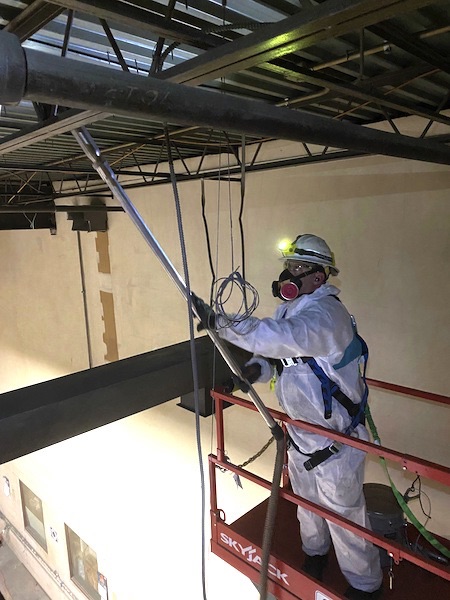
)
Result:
{"points": [[103, 168]]}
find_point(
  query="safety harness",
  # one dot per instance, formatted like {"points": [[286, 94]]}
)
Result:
{"points": [[330, 390]]}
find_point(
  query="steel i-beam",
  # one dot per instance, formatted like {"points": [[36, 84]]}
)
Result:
{"points": [[27, 74]]}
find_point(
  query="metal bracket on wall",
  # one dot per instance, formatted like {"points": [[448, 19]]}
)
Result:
{"points": [[91, 220]]}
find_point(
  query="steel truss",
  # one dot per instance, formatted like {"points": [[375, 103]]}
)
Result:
{"points": [[268, 55]]}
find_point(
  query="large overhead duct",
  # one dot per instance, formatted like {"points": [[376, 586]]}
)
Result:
{"points": [[27, 74]]}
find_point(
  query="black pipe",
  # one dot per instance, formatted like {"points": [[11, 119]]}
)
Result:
{"points": [[45, 78]]}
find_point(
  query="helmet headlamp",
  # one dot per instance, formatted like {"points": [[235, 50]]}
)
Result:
{"points": [[284, 245]]}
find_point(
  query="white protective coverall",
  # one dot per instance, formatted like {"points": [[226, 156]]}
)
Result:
{"points": [[318, 325]]}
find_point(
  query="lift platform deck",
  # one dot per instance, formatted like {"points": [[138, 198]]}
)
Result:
{"points": [[287, 582], [409, 574]]}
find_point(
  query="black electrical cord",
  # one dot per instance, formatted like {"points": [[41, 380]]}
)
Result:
{"points": [[241, 210], [427, 515], [416, 546], [408, 498], [208, 239]]}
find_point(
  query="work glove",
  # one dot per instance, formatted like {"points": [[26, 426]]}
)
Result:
{"points": [[205, 313], [250, 372]]}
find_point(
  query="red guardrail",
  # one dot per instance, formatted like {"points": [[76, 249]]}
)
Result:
{"points": [[415, 464]]}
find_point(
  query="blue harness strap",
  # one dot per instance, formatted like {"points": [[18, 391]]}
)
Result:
{"points": [[364, 358], [330, 389]]}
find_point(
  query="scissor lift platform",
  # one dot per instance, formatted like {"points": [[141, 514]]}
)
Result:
{"points": [[416, 576], [286, 579]]}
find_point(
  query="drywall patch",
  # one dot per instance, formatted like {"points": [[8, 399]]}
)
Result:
{"points": [[109, 321], [106, 297], [102, 245]]}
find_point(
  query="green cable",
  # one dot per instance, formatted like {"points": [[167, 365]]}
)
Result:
{"points": [[403, 505]]}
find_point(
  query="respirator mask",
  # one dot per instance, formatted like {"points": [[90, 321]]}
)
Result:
{"points": [[288, 285]]}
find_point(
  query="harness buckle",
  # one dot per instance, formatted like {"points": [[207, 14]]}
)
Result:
{"points": [[289, 362], [321, 456], [335, 447]]}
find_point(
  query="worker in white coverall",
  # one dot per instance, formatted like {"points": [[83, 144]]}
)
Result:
{"points": [[312, 322]]}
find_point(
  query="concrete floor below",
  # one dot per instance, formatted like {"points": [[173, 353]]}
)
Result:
{"points": [[16, 583]]}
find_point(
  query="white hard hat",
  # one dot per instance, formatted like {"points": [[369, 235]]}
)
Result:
{"points": [[311, 249]]}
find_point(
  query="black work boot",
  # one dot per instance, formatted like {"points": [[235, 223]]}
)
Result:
{"points": [[354, 594], [314, 565]]}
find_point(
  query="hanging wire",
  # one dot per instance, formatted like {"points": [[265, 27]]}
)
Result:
{"points": [[241, 207], [230, 210], [208, 239], [193, 356], [236, 286], [213, 274], [219, 187], [214, 271], [235, 279]]}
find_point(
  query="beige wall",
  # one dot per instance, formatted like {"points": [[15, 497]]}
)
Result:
{"points": [[131, 490]]}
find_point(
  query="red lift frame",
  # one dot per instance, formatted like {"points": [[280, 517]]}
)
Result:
{"points": [[285, 581]]}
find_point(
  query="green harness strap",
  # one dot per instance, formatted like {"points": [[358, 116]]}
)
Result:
{"points": [[411, 516]]}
